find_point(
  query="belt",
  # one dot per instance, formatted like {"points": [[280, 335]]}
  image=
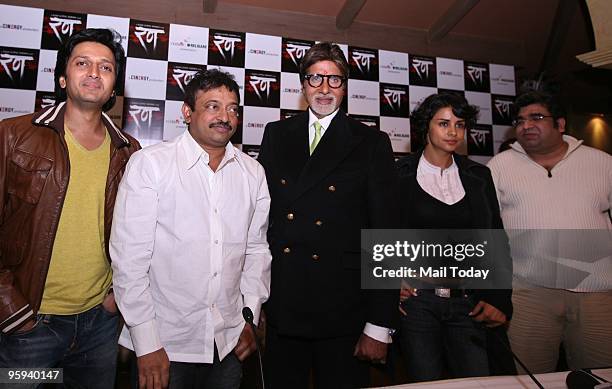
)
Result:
{"points": [[447, 292]]}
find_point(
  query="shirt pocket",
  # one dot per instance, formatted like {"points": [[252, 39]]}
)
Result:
{"points": [[27, 175]]}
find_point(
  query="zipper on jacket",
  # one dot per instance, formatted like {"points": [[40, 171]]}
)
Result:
{"points": [[56, 224]]}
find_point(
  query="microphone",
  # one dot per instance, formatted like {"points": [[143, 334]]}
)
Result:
{"points": [[247, 314], [584, 379], [516, 358]]}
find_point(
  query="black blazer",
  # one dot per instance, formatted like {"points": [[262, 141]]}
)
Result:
{"points": [[319, 205], [482, 199]]}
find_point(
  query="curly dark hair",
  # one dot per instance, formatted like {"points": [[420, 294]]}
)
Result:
{"points": [[206, 80], [422, 115], [107, 37], [324, 51], [548, 100]]}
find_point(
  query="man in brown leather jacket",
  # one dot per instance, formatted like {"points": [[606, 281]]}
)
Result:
{"points": [[59, 173]]}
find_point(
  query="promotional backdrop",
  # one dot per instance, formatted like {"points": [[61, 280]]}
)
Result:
{"points": [[383, 88]]}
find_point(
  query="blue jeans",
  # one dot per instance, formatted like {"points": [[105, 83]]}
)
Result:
{"points": [[438, 337], [84, 345]]}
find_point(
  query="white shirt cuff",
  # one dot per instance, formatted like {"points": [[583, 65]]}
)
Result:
{"points": [[379, 333], [255, 305], [145, 338]]}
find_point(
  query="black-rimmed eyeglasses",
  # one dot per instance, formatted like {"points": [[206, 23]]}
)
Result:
{"points": [[534, 117], [333, 80]]}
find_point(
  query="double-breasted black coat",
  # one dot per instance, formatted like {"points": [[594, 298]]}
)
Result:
{"points": [[320, 203]]}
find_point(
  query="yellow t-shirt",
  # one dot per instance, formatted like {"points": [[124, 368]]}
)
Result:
{"points": [[79, 273]]}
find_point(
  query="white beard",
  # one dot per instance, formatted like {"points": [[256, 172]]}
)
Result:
{"points": [[324, 109]]}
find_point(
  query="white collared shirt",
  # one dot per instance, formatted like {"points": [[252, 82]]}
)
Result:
{"points": [[189, 249], [325, 122], [442, 184]]}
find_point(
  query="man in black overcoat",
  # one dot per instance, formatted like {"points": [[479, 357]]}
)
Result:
{"points": [[329, 177]]}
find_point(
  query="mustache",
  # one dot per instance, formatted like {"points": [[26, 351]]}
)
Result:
{"points": [[220, 123], [92, 82]]}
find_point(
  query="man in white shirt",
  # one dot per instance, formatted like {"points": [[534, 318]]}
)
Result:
{"points": [[555, 195], [189, 247]]}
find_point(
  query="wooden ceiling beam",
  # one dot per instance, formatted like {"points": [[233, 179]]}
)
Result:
{"points": [[347, 13], [558, 33], [449, 19]]}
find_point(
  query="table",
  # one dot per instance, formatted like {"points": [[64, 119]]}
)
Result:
{"points": [[549, 381]]}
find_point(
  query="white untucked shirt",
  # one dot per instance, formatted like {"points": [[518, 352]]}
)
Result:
{"points": [[189, 249]]}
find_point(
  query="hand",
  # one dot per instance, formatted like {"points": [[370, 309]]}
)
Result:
{"points": [[109, 304], [369, 349], [153, 370], [488, 314], [27, 326], [405, 293], [246, 343]]}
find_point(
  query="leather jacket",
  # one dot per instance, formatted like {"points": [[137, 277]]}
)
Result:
{"points": [[34, 175]]}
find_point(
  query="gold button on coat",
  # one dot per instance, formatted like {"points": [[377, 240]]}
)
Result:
{"points": [[315, 257], [331, 188], [319, 223], [283, 181], [286, 250], [290, 216]]}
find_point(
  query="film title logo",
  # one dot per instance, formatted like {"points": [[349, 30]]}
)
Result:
{"points": [[142, 114], [480, 140], [421, 67], [362, 60], [363, 64], [393, 97], [479, 137], [226, 45], [183, 77], [476, 73], [261, 84], [296, 52], [62, 27], [147, 36], [503, 108], [14, 64]]}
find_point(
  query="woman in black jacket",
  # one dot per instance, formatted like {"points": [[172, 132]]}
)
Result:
{"points": [[446, 331]]}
